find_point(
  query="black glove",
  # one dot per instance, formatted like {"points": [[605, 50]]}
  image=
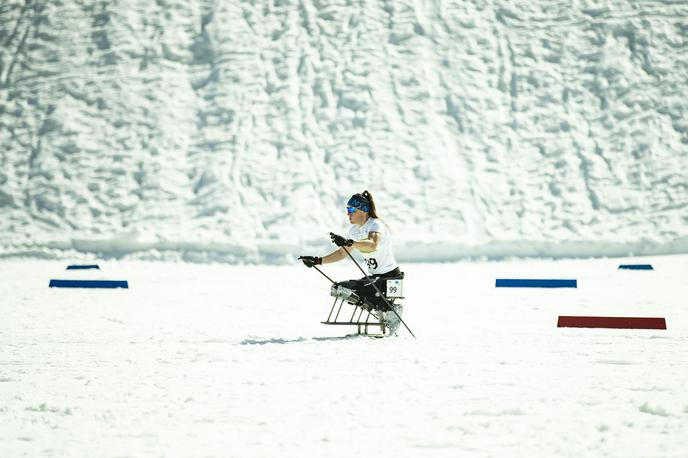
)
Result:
{"points": [[340, 241], [311, 261]]}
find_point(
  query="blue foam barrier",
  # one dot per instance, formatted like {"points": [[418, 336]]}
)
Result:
{"points": [[636, 266], [83, 267], [534, 283], [88, 284]]}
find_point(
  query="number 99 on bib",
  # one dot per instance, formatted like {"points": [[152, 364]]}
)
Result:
{"points": [[394, 288]]}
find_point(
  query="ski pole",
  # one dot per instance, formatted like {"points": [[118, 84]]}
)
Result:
{"points": [[316, 268], [372, 282], [321, 272]]}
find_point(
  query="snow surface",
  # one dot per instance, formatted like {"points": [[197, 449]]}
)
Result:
{"points": [[234, 131], [231, 361]]}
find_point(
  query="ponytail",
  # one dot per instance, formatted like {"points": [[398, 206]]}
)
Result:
{"points": [[371, 212]]}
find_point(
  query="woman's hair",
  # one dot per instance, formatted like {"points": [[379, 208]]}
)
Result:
{"points": [[371, 212]]}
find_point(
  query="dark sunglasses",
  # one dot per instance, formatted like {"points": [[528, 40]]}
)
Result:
{"points": [[350, 210]]}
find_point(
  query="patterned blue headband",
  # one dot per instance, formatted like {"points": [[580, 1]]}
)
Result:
{"points": [[359, 202]]}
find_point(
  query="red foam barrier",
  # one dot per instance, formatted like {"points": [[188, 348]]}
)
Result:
{"points": [[614, 322]]}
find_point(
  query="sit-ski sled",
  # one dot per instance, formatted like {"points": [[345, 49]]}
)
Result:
{"points": [[370, 318], [377, 316]]}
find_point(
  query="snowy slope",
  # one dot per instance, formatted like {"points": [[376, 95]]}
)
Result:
{"points": [[236, 130]]}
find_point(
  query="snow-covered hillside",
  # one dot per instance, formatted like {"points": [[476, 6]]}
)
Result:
{"points": [[236, 130]]}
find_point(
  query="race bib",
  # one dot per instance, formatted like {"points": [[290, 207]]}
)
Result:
{"points": [[394, 288]]}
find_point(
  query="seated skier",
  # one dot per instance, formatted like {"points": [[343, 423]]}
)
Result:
{"points": [[371, 237]]}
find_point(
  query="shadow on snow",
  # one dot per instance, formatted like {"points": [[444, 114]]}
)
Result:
{"points": [[282, 341]]}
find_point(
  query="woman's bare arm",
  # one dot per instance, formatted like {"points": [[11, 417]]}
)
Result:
{"points": [[334, 256], [370, 244]]}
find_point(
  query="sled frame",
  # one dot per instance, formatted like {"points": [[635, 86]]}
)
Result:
{"points": [[365, 322]]}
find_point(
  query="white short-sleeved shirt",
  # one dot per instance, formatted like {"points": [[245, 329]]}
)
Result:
{"points": [[381, 260]]}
